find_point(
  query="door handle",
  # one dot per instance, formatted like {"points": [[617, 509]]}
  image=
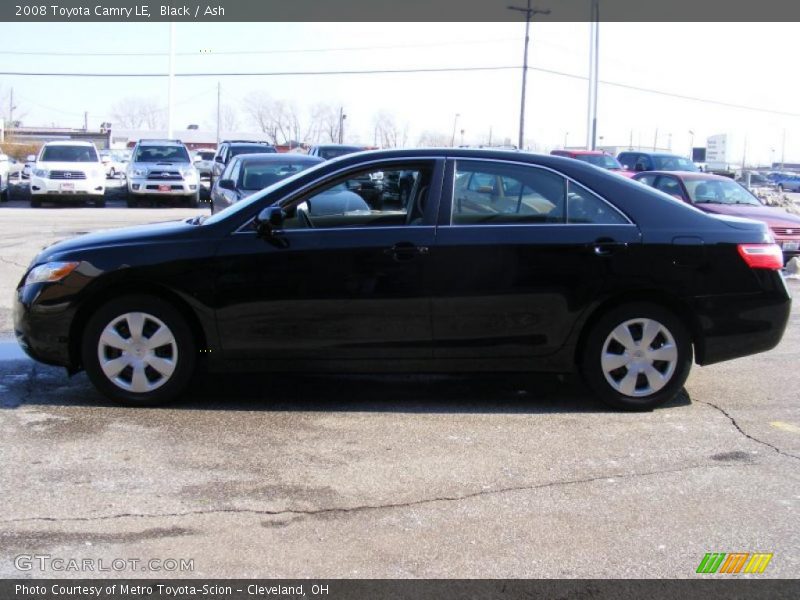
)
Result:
{"points": [[606, 246], [406, 251]]}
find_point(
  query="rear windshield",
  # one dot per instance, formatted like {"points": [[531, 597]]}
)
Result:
{"points": [[69, 154], [600, 160], [161, 154], [254, 149], [329, 153], [257, 176], [206, 155]]}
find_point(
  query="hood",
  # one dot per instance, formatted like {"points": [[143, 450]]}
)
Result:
{"points": [[66, 249], [771, 215]]}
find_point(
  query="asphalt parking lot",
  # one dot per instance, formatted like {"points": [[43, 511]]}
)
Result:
{"points": [[401, 476]]}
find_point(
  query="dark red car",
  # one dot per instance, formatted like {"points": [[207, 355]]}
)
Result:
{"points": [[721, 195], [598, 158]]}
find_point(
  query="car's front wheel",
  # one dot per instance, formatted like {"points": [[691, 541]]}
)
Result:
{"points": [[139, 350], [637, 356]]}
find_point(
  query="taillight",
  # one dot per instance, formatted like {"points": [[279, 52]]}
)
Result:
{"points": [[762, 256]]}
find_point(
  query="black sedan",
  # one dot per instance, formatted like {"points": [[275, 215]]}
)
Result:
{"points": [[249, 173], [497, 261]]}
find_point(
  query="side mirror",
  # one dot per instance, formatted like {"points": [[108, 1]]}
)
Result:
{"points": [[227, 184], [270, 220]]}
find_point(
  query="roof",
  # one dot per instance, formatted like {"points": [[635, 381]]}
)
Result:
{"points": [[283, 157], [687, 175], [581, 152], [69, 143], [156, 142]]}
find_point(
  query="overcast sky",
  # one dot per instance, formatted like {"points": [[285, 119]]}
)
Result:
{"points": [[735, 63]]}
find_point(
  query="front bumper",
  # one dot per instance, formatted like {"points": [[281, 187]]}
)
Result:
{"points": [[151, 187], [42, 320], [67, 187]]}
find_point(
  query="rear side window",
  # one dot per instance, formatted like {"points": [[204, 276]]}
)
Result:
{"points": [[584, 207], [492, 193]]}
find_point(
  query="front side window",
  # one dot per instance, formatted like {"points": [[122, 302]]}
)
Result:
{"points": [[669, 185], [365, 199], [69, 154]]}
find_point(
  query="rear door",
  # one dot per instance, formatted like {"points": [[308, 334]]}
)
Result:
{"points": [[512, 271]]}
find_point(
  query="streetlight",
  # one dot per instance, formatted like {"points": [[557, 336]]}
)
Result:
{"points": [[453, 137], [462, 137], [566, 137], [691, 144], [529, 13], [594, 64], [342, 117]]}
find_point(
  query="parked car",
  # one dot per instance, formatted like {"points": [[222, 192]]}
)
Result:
{"points": [[597, 158], [655, 161], [722, 196], [68, 171], [27, 169], [249, 173], [370, 187], [786, 182], [615, 279], [204, 162], [5, 164], [114, 163], [756, 180], [161, 171], [230, 148]]}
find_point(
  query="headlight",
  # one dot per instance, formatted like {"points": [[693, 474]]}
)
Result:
{"points": [[43, 173], [139, 172], [52, 271]]}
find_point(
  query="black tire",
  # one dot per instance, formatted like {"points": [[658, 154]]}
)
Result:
{"points": [[184, 345], [595, 346], [193, 201], [131, 202], [100, 203], [35, 202]]}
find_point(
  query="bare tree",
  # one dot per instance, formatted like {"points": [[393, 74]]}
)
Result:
{"points": [[136, 113], [228, 118], [6, 110], [433, 139], [324, 126], [276, 118], [387, 132]]}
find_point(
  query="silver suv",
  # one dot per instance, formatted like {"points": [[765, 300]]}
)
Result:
{"points": [[162, 171]]}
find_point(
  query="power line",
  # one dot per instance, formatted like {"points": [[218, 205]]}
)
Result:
{"points": [[260, 52]]}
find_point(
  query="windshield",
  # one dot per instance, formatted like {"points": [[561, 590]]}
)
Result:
{"points": [[69, 154], [329, 153], [600, 160], [256, 176], [206, 155], [246, 203], [719, 192], [145, 154], [254, 149], [673, 163]]}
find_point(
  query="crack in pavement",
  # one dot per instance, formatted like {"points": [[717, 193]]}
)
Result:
{"points": [[371, 507], [11, 262], [745, 434]]}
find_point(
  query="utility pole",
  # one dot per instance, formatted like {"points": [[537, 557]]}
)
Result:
{"points": [[655, 140], [783, 149], [630, 142], [171, 78], [219, 107], [342, 117], [86, 120], [594, 54], [490, 136], [566, 137], [11, 108], [453, 137], [691, 145], [529, 13]]}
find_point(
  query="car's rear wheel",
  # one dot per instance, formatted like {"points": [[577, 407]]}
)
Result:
{"points": [[139, 350], [637, 356]]}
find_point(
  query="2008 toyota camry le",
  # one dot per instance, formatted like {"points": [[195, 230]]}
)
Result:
{"points": [[494, 261]]}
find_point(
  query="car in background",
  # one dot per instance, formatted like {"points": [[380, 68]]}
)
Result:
{"points": [[114, 162], [68, 171], [27, 168], [720, 195], [786, 182], [597, 158], [756, 180], [655, 161], [249, 173], [329, 151], [161, 171], [204, 161], [227, 149], [594, 276], [5, 170]]}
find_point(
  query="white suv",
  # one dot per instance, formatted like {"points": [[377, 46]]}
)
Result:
{"points": [[162, 171], [68, 171]]}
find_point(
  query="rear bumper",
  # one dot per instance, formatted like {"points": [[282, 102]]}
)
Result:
{"points": [[736, 325]]}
